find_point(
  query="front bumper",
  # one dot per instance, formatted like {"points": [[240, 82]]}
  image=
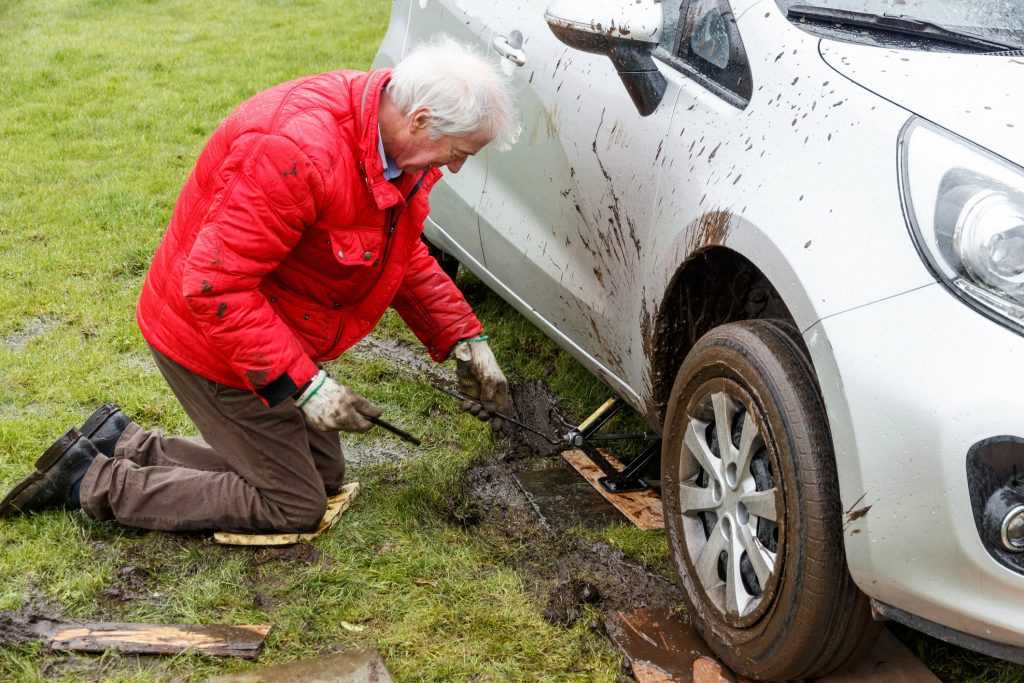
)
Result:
{"points": [[910, 384]]}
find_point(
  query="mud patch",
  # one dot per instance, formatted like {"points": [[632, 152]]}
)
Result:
{"points": [[9, 411], [565, 604], [142, 362], [360, 454], [405, 356], [711, 229], [562, 499], [16, 628], [563, 571], [537, 406], [305, 553], [129, 584], [33, 327]]}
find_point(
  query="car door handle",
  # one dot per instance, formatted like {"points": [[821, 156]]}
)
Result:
{"points": [[510, 47]]}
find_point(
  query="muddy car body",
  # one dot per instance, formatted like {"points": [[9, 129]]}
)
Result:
{"points": [[811, 176]]}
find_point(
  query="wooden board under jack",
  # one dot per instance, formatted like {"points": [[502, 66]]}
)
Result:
{"points": [[643, 508], [153, 639], [335, 506]]}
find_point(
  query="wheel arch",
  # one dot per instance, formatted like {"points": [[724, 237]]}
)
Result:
{"points": [[723, 268]]}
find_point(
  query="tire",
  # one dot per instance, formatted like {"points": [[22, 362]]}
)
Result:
{"points": [[448, 263], [773, 598]]}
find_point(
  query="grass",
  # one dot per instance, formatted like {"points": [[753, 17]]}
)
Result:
{"points": [[104, 105]]}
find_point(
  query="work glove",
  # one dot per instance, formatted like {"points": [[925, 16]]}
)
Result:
{"points": [[481, 381], [331, 407]]}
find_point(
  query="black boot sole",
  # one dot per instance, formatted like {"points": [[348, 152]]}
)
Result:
{"points": [[48, 459]]}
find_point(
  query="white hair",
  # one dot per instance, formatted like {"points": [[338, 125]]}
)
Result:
{"points": [[464, 92]]}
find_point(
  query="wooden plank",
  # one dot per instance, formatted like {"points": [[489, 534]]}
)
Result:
{"points": [[230, 641], [643, 508], [335, 506], [359, 666], [889, 661]]}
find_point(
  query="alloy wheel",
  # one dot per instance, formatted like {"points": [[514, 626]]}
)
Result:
{"points": [[732, 509]]}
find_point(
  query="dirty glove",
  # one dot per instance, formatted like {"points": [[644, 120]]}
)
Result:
{"points": [[481, 380], [332, 407]]}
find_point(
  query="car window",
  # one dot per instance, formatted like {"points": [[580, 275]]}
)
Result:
{"points": [[701, 38]]}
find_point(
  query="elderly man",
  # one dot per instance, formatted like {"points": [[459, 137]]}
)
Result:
{"points": [[299, 225]]}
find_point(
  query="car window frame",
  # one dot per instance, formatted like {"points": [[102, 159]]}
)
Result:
{"points": [[671, 59]]}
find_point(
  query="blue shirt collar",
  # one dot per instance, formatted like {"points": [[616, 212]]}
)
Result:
{"points": [[391, 170]]}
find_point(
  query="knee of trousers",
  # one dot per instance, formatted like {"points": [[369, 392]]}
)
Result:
{"points": [[302, 514]]}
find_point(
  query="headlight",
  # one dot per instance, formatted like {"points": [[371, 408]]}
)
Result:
{"points": [[965, 208]]}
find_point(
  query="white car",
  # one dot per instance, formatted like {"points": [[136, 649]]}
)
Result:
{"points": [[792, 237]]}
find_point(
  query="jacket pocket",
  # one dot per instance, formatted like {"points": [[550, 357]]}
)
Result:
{"points": [[358, 247]]}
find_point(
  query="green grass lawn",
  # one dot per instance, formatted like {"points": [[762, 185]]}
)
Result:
{"points": [[104, 105]]}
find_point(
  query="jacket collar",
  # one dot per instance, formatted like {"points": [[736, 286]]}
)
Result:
{"points": [[367, 100], [386, 194]]}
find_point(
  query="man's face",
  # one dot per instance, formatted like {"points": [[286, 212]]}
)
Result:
{"points": [[421, 152]]}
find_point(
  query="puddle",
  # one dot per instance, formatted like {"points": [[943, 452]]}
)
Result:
{"points": [[658, 644], [563, 499], [555, 564], [34, 327]]}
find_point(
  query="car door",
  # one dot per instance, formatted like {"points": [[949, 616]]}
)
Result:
{"points": [[566, 212], [455, 198]]}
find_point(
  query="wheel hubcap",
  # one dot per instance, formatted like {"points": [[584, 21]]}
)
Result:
{"points": [[727, 496]]}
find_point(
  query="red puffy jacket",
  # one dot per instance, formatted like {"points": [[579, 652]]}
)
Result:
{"points": [[287, 245]]}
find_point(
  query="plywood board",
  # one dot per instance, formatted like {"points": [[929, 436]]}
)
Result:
{"points": [[889, 661], [335, 506], [232, 641], [643, 508]]}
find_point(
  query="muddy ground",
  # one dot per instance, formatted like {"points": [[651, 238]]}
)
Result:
{"points": [[564, 572], [561, 569]]}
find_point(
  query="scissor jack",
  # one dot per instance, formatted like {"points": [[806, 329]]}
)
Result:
{"points": [[585, 436]]}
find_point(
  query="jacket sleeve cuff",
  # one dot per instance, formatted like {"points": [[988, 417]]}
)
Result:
{"points": [[277, 391], [441, 346], [287, 383]]}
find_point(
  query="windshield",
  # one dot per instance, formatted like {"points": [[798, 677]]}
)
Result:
{"points": [[987, 18]]}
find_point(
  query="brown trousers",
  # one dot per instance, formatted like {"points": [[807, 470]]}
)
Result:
{"points": [[255, 469]]}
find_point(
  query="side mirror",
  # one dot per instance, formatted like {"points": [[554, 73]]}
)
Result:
{"points": [[626, 31]]}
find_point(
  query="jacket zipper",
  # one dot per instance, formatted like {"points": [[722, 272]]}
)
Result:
{"points": [[393, 216]]}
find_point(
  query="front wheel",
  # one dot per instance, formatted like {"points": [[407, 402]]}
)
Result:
{"points": [[752, 507]]}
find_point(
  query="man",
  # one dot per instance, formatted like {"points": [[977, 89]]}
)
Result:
{"points": [[299, 225]]}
